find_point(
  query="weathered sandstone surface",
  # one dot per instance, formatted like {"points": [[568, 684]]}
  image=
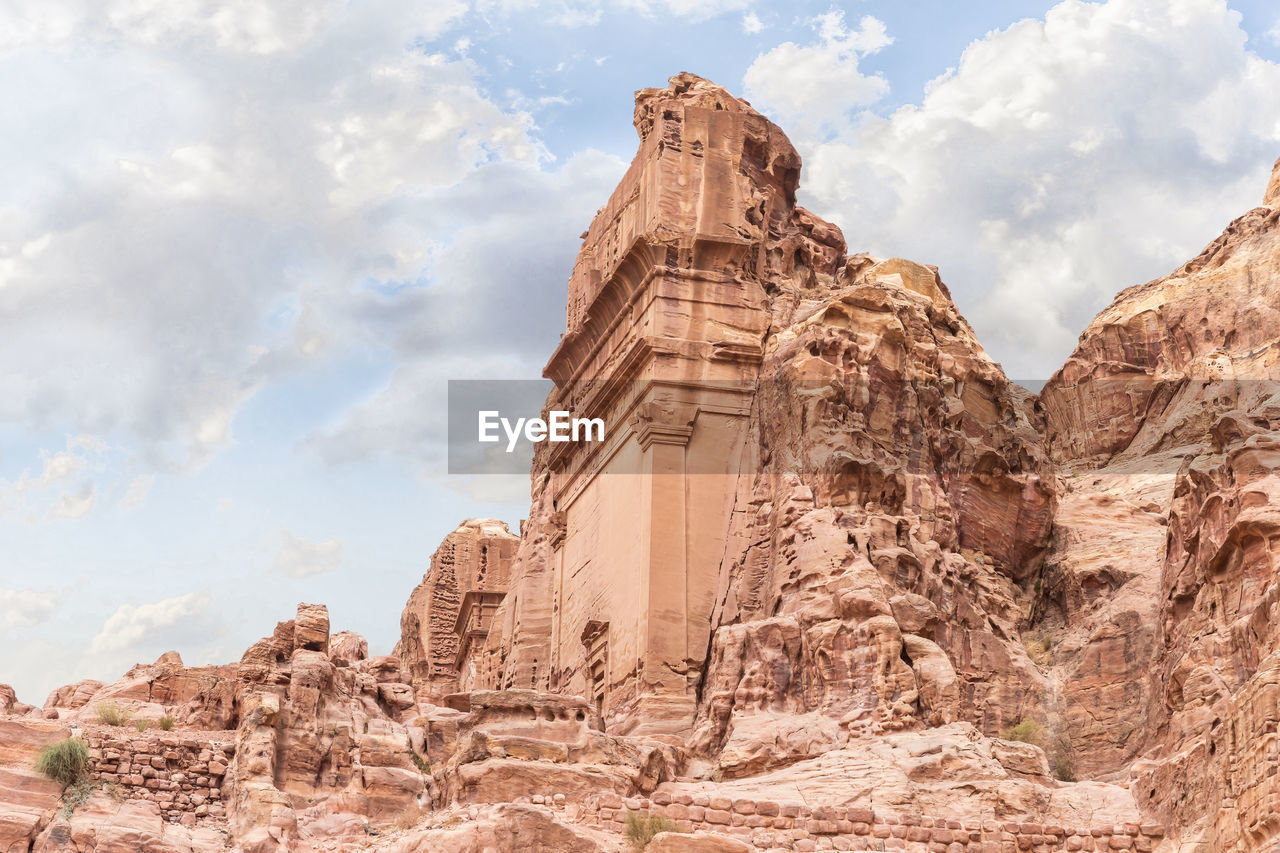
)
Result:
{"points": [[453, 607], [27, 799], [303, 741], [831, 581]]}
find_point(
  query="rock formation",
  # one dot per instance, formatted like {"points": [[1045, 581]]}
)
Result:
{"points": [[26, 797], [830, 581], [453, 607], [304, 739], [1164, 424]]}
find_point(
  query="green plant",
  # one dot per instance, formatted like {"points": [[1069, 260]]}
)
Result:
{"points": [[112, 714], [65, 762], [1027, 731], [419, 762], [166, 722], [640, 828], [1054, 742], [142, 725]]}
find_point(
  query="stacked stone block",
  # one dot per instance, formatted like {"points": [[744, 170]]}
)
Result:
{"points": [[182, 772], [775, 826]]}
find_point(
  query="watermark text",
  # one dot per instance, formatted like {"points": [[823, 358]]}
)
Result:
{"points": [[559, 427]]}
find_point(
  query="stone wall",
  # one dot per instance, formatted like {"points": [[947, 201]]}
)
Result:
{"points": [[773, 826], [181, 771]]}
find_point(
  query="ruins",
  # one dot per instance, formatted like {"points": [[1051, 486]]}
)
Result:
{"points": [[830, 581]]}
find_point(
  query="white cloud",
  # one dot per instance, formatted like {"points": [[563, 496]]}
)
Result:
{"points": [[585, 13], [811, 89], [446, 331], [61, 466], [91, 443], [299, 558], [696, 10], [217, 176], [75, 504], [751, 24], [564, 13], [388, 135], [136, 492], [21, 608], [132, 625], [1061, 161], [58, 491], [232, 26]]}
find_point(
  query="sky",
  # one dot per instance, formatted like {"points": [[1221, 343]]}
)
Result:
{"points": [[243, 247]]}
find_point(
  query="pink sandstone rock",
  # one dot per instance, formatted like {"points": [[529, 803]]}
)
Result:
{"points": [[896, 536], [294, 731], [698, 842], [508, 827], [27, 799], [311, 628], [1166, 584], [347, 648], [106, 826], [9, 703], [454, 605], [827, 564]]}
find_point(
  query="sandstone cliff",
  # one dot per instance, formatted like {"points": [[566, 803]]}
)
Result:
{"points": [[831, 581], [1162, 589]]}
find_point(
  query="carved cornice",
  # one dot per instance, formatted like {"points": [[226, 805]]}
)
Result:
{"points": [[657, 422], [559, 528]]}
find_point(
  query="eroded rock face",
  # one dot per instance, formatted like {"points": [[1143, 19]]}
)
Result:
{"points": [[27, 799], [106, 825], [306, 740], [667, 314], [9, 703], [840, 440], [832, 581], [1166, 576], [903, 492], [453, 606], [909, 541], [516, 743], [505, 827]]}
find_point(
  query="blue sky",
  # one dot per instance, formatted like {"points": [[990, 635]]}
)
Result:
{"points": [[242, 249]]}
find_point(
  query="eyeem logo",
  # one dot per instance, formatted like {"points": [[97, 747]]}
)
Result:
{"points": [[559, 427]]}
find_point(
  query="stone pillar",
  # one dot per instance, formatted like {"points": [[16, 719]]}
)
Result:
{"points": [[665, 701], [559, 529]]}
